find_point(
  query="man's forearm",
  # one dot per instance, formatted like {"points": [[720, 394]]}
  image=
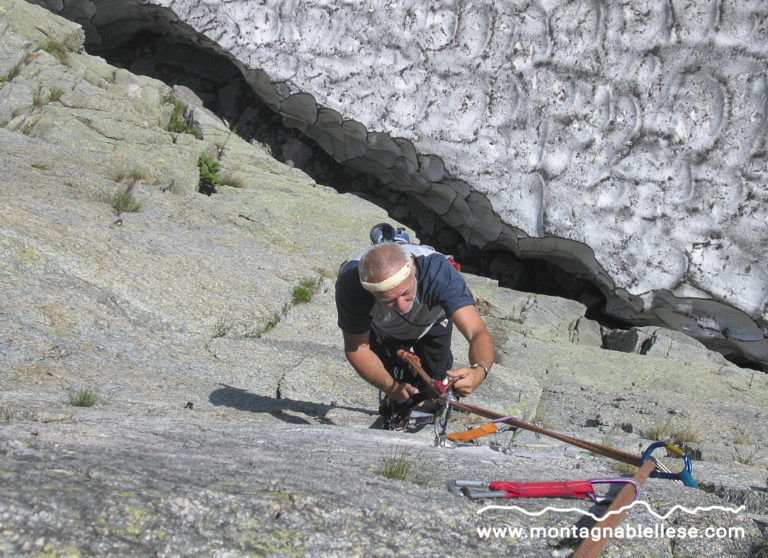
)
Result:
{"points": [[481, 351], [369, 367]]}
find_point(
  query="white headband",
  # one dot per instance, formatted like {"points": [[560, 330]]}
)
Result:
{"points": [[390, 282]]}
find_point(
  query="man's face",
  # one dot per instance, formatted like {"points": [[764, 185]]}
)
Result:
{"points": [[399, 298]]}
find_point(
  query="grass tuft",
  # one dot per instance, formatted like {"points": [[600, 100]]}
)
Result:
{"points": [[664, 431], [132, 176], [38, 99], [624, 469], [57, 50], [661, 431], [750, 457], [304, 291], [221, 328], [12, 73], [122, 201], [687, 435], [233, 181], [401, 465], [178, 123], [55, 94], [83, 398]]}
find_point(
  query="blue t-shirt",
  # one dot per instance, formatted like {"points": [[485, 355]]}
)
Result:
{"points": [[440, 291]]}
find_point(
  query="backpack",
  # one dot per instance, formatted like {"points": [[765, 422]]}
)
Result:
{"points": [[384, 232]]}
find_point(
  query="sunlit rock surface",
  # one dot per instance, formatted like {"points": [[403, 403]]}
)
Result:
{"points": [[227, 421]]}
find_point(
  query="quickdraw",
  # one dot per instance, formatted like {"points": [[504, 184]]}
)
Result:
{"points": [[685, 477], [648, 466], [440, 390], [563, 489], [484, 430]]}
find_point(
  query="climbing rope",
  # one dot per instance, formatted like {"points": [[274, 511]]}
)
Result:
{"points": [[442, 392], [591, 547]]}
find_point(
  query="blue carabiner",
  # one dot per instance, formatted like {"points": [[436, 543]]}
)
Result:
{"points": [[683, 476]]}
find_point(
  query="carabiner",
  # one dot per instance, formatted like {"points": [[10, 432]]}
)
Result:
{"points": [[683, 476], [605, 500], [441, 422]]}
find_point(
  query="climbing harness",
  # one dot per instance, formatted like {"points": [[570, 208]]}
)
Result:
{"points": [[443, 389], [409, 414], [563, 489]]}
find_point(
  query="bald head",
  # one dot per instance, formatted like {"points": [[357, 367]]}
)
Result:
{"points": [[382, 261]]}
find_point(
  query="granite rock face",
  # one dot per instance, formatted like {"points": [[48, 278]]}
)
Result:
{"points": [[625, 142], [227, 421]]}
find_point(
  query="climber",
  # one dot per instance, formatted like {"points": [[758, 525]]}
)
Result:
{"points": [[401, 295]]}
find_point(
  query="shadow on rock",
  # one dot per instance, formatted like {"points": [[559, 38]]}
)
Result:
{"points": [[282, 409]]}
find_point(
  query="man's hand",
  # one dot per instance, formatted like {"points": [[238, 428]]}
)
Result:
{"points": [[467, 380], [402, 392], [359, 354]]}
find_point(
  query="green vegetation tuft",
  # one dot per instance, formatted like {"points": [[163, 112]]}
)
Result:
{"points": [[209, 175], [398, 466], [122, 201], [401, 465], [178, 121], [277, 317], [221, 328], [304, 291], [12, 73], [83, 398], [55, 94], [57, 50]]}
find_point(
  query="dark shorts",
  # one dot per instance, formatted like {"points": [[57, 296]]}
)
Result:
{"points": [[433, 349]]}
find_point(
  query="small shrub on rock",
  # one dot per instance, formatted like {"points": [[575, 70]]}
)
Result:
{"points": [[303, 292], [209, 175], [83, 398], [122, 201], [178, 121]]}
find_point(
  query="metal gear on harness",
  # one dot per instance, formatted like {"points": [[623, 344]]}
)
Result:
{"points": [[415, 412], [443, 389]]}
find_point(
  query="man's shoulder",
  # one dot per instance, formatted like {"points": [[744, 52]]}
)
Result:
{"points": [[441, 283], [435, 266], [349, 278]]}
